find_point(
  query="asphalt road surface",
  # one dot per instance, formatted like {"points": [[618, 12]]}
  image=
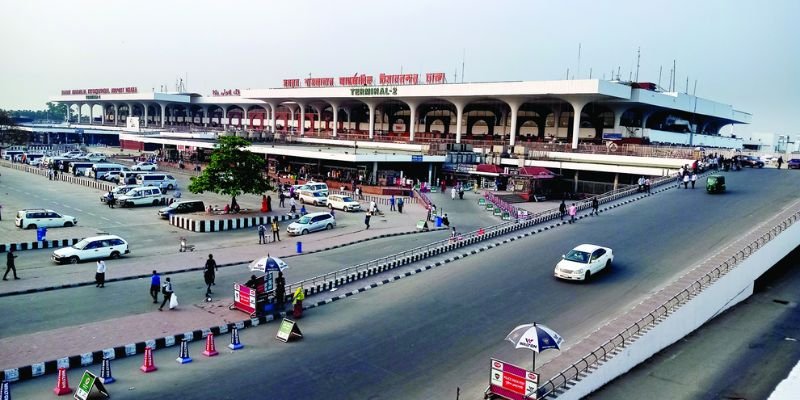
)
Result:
{"points": [[424, 336]]}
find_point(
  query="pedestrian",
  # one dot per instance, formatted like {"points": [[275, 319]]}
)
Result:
{"points": [[686, 180], [391, 203], [209, 273], [461, 193], [262, 233], [452, 193], [166, 290], [573, 210], [280, 290], [10, 256], [50, 174], [433, 212], [694, 179], [155, 284], [292, 206], [562, 209], [281, 199], [276, 234], [400, 203], [595, 206], [445, 220], [453, 234], [269, 203], [110, 199], [100, 275], [647, 185], [780, 161], [366, 218]]}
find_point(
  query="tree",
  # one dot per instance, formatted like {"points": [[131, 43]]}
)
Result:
{"points": [[232, 171], [8, 131]]}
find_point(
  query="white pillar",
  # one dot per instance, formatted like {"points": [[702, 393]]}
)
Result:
{"points": [[575, 183], [577, 107], [374, 173], [302, 118], [459, 117], [618, 119], [274, 109], [91, 113], [80, 112], [145, 106], [412, 120], [116, 115], [205, 115], [371, 120], [514, 105], [335, 109], [244, 116], [347, 110], [103, 114], [163, 113]]}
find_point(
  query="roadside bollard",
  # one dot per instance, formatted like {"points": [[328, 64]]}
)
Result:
{"points": [[299, 247]]}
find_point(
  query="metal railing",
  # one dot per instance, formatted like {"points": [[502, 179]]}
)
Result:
{"points": [[609, 348]]}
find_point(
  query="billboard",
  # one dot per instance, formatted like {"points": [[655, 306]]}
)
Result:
{"points": [[512, 382]]}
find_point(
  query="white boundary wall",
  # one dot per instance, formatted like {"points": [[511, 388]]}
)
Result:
{"points": [[726, 292]]}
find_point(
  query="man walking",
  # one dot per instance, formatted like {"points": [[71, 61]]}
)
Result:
{"points": [[453, 193], [694, 179], [366, 218], [572, 212], [209, 273], [280, 290], [647, 185], [100, 275], [562, 208], [10, 256], [281, 198], [400, 203], [686, 180], [155, 285], [780, 161], [391, 203], [166, 289], [262, 233], [595, 206], [276, 233]]}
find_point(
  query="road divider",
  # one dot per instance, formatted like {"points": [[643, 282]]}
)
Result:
{"points": [[43, 244]]}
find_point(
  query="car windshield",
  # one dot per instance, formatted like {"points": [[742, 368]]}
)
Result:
{"points": [[304, 220], [577, 256], [347, 199], [318, 194], [80, 245]]}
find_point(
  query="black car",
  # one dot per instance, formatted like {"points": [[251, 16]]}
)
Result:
{"points": [[182, 207], [751, 161]]}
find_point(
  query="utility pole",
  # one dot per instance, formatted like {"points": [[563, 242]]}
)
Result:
{"points": [[638, 56], [579, 61], [659, 75]]}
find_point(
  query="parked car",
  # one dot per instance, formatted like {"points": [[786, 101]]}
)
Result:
{"points": [[311, 223], [145, 166], [182, 207], [156, 180], [344, 203], [141, 196], [95, 157], [584, 261], [287, 191], [33, 218], [118, 191], [315, 197], [315, 186], [793, 163], [92, 248], [751, 161], [112, 176]]}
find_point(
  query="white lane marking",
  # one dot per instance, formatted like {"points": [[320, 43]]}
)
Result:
{"points": [[78, 209], [105, 218], [92, 214]]}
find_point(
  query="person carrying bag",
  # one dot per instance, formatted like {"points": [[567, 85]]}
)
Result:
{"points": [[166, 289]]}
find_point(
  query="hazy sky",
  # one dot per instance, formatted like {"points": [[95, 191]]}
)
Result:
{"points": [[745, 53]]}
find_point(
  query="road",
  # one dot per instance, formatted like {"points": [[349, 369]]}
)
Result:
{"points": [[427, 335]]}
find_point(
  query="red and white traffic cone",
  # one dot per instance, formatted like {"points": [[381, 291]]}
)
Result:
{"points": [[62, 385], [211, 349], [149, 365]]}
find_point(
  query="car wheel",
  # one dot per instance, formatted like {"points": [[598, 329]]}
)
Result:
{"points": [[67, 224], [760, 165], [304, 232], [32, 226], [608, 264], [170, 187], [331, 207], [114, 255], [74, 260], [155, 202], [329, 226], [587, 276]]}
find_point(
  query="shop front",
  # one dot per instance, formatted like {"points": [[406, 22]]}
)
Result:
{"points": [[532, 183]]}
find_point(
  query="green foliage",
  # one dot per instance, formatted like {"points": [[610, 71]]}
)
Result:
{"points": [[232, 170], [53, 112], [8, 132]]}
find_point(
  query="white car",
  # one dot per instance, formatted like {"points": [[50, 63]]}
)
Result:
{"points": [[117, 191], [312, 222], [584, 261], [314, 197], [145, 166], [95, 157], [41, 218], [344, 203], [92, 248]]}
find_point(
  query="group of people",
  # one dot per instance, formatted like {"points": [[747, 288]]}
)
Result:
{"points": [[572, 210], [686, 176], [262, 229], [644, 184]]}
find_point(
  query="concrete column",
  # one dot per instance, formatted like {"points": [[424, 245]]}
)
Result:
{"points": [[91, 114], [103, 114], [244, 115], [371, 120], [302, 111], [575, 183], [577, 107], [374, 179], [645, 116], [412, 120], [205, 114], [274, 109], [459, 116], [116, 115], [335, 109], [145, 106], [430, 173], [80, 112], [514, 105], [616, 180], [294, 118], [347, 110], [130, 110], [163, 113], [618, 119], [319, 119]]}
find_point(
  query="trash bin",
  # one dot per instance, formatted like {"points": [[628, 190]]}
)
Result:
{"points": [[41, 234], [299, 247], [438, 221]]}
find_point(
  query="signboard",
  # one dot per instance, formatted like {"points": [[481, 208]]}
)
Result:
{"points": [[88, 382], [244, 298], [489, 206], [119, 90], [422, 225], [226, 92], [512, 382], [132, 123], [431, 78], [416, 158], [288, 330], [612, 136], [374, 91], [482, 201]]}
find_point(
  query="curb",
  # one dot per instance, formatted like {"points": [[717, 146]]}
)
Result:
{"points": [[44, 244], [132, 349], [385, 235]]}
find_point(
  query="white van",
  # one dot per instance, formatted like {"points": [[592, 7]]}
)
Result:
{"points": [[129, 177], [80, 168], [156, 180], [99, 170], [139, 196], [95, 157], [316, 187]]}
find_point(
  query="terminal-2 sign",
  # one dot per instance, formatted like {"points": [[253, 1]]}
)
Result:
{"points": [[374, 91]]}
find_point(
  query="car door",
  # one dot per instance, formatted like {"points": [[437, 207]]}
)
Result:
{"points": [[53, 219], [597, 260], [92, 250], [317, 223]]}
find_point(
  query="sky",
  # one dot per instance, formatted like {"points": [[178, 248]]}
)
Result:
{"points": [[744, 53]]}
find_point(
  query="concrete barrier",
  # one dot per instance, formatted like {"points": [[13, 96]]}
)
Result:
{"points": [[217, 225]]}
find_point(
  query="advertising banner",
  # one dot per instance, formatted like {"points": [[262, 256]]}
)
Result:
{"points": [[244, 298], [512, 382]]}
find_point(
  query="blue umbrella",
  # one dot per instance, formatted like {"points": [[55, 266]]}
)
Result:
{"points": [[266, 264], [535, 337]]}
